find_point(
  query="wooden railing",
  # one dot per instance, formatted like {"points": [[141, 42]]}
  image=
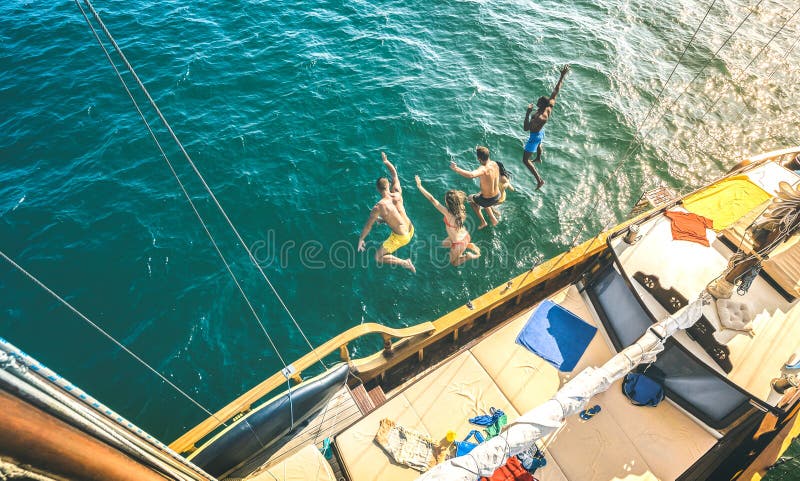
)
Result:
{"points": [[243, 403], [462, 318], [411, 340]]}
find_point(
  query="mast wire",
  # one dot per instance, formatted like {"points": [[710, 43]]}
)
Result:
{"points": [[182, 187], [166, 124], [677, 64], [106, 334], [669, 150], [638, 139], [199, 217], [702, 69], [744, 71]]}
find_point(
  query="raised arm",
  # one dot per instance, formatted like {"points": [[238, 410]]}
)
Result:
{"points": [[373, 216], [395, 180], [526, 125], [428, 196], [558, 85], [466, 173]]}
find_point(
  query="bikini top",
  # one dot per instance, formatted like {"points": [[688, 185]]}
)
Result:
{"points": [[448, 224]]}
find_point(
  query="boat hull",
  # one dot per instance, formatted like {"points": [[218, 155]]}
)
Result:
{"points": [[261, 428]]}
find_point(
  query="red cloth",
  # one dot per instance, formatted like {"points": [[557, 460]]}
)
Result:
{"points": [[511, 471], [689, 227]]}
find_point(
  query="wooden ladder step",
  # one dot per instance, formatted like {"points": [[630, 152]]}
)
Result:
{"points": [[363, 400], [377, 395]]}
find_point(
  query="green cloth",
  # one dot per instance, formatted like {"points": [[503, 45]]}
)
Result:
{"points": [[497, 427]]}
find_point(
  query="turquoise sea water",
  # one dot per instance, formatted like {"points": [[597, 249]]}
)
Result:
{"points": [[285, 108]]}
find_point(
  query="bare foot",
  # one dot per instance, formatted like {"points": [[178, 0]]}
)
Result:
{"points": [[474, 248], [471, 257], [482, 225], [410, 266], [494, 222], [539, 186], [537, 159]]}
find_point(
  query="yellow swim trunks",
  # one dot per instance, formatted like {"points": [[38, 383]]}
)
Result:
{"points": [[395, 241]]}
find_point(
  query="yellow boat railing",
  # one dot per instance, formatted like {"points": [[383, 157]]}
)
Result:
{"points": [[400, 344]]}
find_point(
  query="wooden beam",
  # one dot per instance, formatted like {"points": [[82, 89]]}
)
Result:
{"points": [[344, 353]]}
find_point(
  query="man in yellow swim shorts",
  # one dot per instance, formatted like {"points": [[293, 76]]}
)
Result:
{"points": [[390, 209]]}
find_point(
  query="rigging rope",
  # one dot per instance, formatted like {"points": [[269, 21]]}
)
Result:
{"points": [[769, 77], [199, 217], [685, 49], [669, 150], [744, 71], [638, 139], [182, 187], [106, 334], [697, 75], [166, 124]]}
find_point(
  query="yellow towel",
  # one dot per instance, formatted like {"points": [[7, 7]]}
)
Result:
{"points": [[727, 201]]}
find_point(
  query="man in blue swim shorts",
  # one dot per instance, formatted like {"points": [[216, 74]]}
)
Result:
{"points": [[535, 125]]}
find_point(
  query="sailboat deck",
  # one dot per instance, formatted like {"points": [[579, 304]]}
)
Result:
{"points": [[757, 357], [622, 442]]}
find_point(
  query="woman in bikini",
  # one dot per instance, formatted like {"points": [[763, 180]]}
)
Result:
{"points": [[458, 239]]}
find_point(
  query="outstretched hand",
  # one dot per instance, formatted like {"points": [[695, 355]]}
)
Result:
{"points": [[362, 246], [530, 106], [564, 70], [419, 182], [384, 158], [453, 165]]}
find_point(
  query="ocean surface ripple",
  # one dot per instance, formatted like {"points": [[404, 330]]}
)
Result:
{"points": [[285, 108]]}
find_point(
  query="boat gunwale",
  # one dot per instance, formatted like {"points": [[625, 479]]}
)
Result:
{"points": [[371, 366]]}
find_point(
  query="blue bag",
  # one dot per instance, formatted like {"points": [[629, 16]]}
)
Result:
{"points": [[465, 446], [642, 390]]}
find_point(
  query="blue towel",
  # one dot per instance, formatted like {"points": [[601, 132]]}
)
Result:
{"points": [[556, 335]]}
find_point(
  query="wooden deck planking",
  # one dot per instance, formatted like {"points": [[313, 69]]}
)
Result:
{"points": [[362, 399], [377, 396]]}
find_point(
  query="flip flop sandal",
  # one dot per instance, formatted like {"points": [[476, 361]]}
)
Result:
{"points": [[792, 367], [587, 414]]}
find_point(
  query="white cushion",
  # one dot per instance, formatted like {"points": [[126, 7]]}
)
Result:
{"points": [[735, 315]]}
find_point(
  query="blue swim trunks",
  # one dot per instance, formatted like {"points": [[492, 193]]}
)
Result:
{"points": [[534, 140]]}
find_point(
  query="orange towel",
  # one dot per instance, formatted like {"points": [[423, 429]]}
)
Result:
{"points": [[511, 471], [689, 227]]}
